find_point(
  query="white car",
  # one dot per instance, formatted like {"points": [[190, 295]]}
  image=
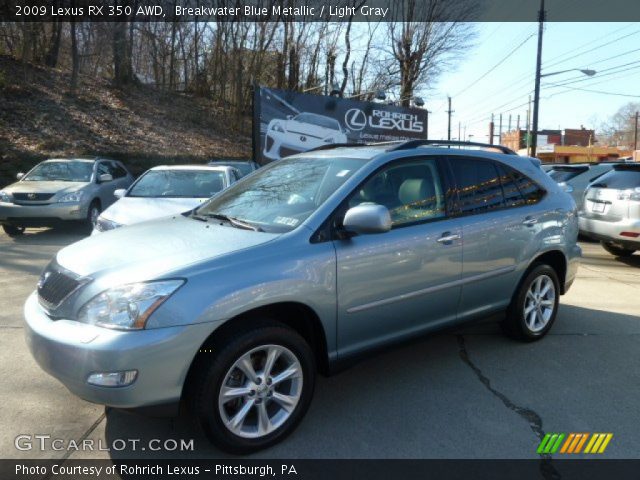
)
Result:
{"points": [[163, 191], [298, 134]]}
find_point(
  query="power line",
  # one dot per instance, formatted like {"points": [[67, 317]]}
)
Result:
{"points": [[492, 69], [595, 91]]}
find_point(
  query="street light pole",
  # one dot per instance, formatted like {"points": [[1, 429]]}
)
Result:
{"points": [[536, 94]]}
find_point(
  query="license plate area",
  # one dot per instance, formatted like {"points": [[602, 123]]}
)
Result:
{"points": [[598, 207]]}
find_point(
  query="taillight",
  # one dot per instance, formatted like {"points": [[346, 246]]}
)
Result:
{"points": [[630, 194], [630, 234]]}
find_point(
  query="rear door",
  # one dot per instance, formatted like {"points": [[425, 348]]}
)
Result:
{"points": [[395, 284], [499, 206]]}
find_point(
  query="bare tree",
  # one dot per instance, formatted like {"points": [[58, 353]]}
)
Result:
{"points": [[429, 36]]}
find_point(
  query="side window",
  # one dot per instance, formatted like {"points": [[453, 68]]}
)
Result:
{"points": [[530, 192], [118, 171], [478, 185], [103, 167], [411, 191]]}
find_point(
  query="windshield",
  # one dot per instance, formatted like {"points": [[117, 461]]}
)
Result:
{"points": [[64, 171], [178, 183], [325, 122], [621, 178], [282, 195], [560, 174]]}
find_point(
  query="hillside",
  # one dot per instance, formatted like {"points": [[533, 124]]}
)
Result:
{"points": [[141, 126]]}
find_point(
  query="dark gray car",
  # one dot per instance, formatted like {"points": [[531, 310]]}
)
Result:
{"points": [[303, 266]]}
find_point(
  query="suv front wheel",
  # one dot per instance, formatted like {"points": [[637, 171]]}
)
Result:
{"points": [[534, 306], [253, 388], [12, 230]]}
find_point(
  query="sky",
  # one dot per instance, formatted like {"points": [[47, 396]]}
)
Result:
{"points": [[496, 75]]}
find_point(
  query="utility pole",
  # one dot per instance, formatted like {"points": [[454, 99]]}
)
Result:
{"points": [[509, 129], [529, 128], [536, 94], [459, 128], [491, 130], [449, 112], [518, 123], [500, 131], [635, 135]]}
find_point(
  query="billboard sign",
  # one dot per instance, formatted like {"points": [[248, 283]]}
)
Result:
{"points": [[286, 122]]}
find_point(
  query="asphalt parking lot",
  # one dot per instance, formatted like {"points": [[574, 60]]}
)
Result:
{"points": [[469, 393]]}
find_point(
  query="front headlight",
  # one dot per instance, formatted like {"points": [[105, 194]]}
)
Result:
{"points": [[127, 307], [5, 197], [277, 127], [103, 225], [70, 197]]}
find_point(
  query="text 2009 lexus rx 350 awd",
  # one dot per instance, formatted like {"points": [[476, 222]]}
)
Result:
{"points": [[301, 267]]}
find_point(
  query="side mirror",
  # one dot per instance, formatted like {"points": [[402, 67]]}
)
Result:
{"points": [[119, 193], [105, 177], [19, 175], [367, 218]]}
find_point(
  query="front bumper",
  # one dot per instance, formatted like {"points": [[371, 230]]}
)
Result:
{"points": [[70, 351], [610, 231], [41, 215]]}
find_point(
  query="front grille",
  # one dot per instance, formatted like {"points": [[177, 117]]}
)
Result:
{"points": [[285, 152], [32, 197], [55, 285]]}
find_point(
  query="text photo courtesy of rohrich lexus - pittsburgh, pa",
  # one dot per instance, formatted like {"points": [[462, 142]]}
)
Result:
{"points": [[319, 239]]}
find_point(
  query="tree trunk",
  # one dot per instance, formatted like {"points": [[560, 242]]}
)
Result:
{"points": [[74, 57], [51, 58]]}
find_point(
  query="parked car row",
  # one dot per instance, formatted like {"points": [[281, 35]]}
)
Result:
{"points": [[608, 198], [84, 190]]}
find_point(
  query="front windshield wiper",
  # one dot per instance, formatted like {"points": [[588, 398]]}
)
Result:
{"points": [[235, 222]]}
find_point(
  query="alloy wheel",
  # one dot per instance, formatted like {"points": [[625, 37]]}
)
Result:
{"points": [[539, 303], [260, 391]]}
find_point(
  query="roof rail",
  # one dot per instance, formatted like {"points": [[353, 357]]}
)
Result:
{"points": [[329, 146], [418, 143]]}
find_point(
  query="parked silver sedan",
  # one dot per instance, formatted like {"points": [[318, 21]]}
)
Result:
{"points": [[611, 211], [61, 190], [165, 190], [303, 266]]}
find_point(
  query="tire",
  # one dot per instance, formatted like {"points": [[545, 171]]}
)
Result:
{"points": [[12, 230], [616, 251], [529, 319], [92, 214], [217, 366]]}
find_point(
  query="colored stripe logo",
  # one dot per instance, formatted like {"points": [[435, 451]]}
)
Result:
{"points": [[574, 443]]}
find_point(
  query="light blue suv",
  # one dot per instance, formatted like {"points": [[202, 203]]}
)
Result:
{"points": [[302, 267]]}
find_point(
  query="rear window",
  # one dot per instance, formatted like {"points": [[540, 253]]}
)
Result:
{"points": [[564, 174], [621, 177]]}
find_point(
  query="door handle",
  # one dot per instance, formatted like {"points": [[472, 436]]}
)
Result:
{"points": [[448, 238], [530, 221]]}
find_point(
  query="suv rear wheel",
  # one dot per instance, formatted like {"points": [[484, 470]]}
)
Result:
{"points": [[252, 388], [616, 251], [534, 306], [12, 230]]}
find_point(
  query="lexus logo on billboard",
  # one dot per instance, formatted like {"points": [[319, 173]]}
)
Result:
{"points": [[355, 119]]}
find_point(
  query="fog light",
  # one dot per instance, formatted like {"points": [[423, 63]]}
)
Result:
{"points": [[113, 379]]}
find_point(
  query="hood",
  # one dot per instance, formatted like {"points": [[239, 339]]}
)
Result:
{"points": [[149, 249], [44, 187], [130, 210], [309, 129]]}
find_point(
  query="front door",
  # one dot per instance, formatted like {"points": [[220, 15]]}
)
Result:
{"points": [[395, 284]]}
